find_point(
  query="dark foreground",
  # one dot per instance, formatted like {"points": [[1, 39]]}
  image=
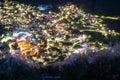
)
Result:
{"points": [[105, 65]]}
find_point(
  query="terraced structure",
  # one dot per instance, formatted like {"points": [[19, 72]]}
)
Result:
{"points": [[48, 37]]}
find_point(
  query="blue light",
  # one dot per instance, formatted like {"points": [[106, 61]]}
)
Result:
{"points": [[44, 7]]}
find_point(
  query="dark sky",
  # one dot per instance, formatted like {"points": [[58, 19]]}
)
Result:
{"points": [[103, 7]]}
